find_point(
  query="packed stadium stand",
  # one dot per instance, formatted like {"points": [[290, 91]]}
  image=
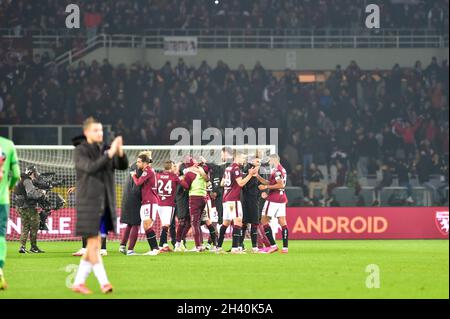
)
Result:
{"points": [[356, 128], [122, 16]]}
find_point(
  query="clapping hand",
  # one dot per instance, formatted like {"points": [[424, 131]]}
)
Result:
{"points": [[116, 147]]}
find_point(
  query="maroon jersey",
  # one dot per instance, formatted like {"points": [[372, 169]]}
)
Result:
{"points": [[277, 195], [232, 191], [148, 183], [167, 187]]}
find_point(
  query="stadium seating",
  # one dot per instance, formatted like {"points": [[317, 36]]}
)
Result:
{"points": [[124, 16]]}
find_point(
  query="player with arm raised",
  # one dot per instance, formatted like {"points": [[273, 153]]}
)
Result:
{"points": [[150, 200], [275, 205], [167, 186], [232, 182], [95, 199]]}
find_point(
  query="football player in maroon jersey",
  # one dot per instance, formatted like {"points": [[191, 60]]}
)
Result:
{"points": [[275, 205], [167, 185], [232, 182], [150, 199]]}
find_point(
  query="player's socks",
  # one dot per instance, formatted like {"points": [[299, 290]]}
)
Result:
{"points": [[126, 235], [2, 251], [103, 243], [84, 242], [222, 231], [285, 235], [173, 234], [254, 235], [269, 234], [163, 237], [236, 236], [151, 238], [215, 229], [179, 231], [186, 226], [84, 269], [100, 273], [133, 237], [243, 230], [263, 236], [213, 235]]}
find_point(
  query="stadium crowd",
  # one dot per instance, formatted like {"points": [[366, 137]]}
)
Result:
{"points": [[365, 120], [122, 16]]}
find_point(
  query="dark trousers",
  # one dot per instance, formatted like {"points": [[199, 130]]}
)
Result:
{"points": [[196, 207], [30, 225]]}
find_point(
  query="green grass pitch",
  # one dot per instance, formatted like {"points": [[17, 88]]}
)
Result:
{"points": [[312, 269]]}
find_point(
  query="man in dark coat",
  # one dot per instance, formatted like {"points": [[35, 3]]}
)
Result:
{"points": [[131, 206], [95, 199]]}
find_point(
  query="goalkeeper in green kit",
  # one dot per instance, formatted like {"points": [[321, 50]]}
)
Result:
{"points": [[9, 175]]}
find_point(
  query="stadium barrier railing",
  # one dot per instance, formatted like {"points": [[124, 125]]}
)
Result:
{"points": [[25, 134], [241, 38], [64, 32]]}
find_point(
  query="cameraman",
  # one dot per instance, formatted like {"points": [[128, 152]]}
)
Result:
{"points": [[28, 196]]}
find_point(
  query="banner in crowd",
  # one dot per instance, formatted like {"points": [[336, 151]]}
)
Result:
{"points": [[179, 46], [368, 222]]}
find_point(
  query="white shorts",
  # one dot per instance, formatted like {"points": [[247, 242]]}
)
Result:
{"points": [[149, 211], [166, 214], [210, 213], [273, 209], [232, 210]]}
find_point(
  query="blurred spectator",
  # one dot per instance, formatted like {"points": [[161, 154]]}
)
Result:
{"points": [[297, 178], [386, 181], [339, 182], [442, 188], [439, 173], [315, 178], [402, 170], [407, 132], [352, 181]]}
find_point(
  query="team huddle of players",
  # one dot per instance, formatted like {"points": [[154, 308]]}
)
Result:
{"points": [[188, 187]]}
